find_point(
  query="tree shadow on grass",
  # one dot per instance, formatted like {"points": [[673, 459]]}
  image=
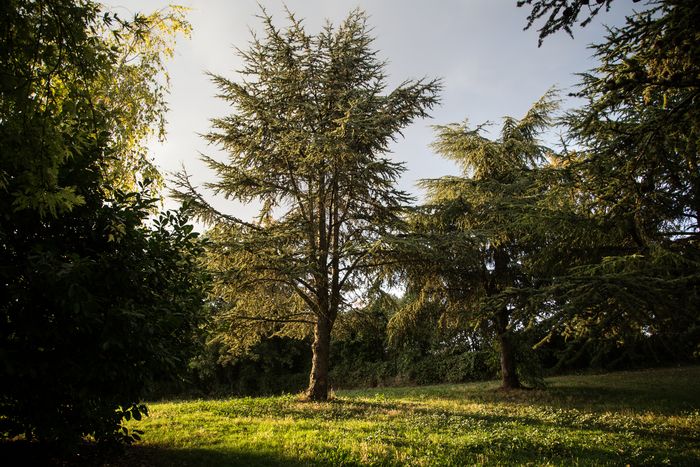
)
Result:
{"points": [[666, 391], [501, 451], [21, 454], [510, 444], [667, 401], [158, 456], [497, 450], [571, 408]]}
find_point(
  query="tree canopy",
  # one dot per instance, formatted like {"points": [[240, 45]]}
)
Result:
{"points": [[635, 173]]}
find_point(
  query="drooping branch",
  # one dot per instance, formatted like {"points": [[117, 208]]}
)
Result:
{"points": [[200, 207]]}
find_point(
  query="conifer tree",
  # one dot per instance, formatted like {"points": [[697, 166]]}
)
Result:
{"points": [[481, 232], [637, 175], [307, 139]]}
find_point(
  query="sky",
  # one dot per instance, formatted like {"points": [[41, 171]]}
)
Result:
{"points": [[489, 66]]}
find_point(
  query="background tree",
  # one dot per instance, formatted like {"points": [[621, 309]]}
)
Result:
{"points": [[135, 88], [65, 71], [480, 233], [94, 304], [311, 124]]}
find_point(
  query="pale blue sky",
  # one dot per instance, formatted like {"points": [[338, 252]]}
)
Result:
{"points": [[490, 67]]}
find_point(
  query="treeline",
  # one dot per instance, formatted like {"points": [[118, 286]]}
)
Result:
{"points": [[365, 354], [533, 259]]}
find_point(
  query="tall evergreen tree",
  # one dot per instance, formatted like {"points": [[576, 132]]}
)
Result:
{"points": [[481, 232], [641, 123], [307, 139]]}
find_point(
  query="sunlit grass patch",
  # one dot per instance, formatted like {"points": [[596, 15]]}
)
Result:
{"points": [[648, 417]]}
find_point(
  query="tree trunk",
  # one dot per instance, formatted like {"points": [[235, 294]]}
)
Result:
{"points": [[318, 380], [509, 377]]}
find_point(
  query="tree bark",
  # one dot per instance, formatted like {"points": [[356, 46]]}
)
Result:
{"points": [[320, 362], [509, 376]]}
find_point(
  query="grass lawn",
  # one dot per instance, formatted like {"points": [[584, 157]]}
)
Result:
{"points": [[645, 417]]}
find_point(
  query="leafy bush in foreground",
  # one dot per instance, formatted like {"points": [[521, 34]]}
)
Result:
{"points": [[94, 304]]}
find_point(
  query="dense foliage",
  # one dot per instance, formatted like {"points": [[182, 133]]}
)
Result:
{"points": [[530, 259], [479, 236], [633, 171], [95, 303]]}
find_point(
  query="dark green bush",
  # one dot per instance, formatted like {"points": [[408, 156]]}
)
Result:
{"points": [[97, 298], [274, 366], [95, 307]]}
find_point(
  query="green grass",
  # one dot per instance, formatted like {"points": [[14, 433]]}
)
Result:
{"points": [[635, 418]]}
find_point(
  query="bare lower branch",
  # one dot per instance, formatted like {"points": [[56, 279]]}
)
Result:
{"points": [[272, 320]]}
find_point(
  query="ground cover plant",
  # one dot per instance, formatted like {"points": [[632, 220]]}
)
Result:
{"points": [[635, 418]]}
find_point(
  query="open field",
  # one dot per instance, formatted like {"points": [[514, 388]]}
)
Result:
{"points": [[645, 417]]}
